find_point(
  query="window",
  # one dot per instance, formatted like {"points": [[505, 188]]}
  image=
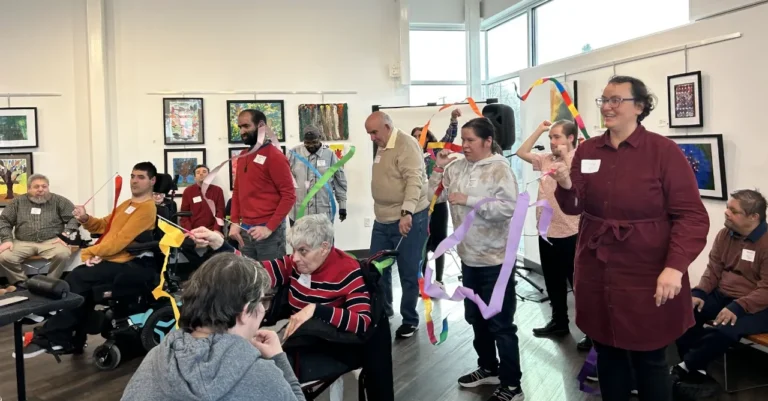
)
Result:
{"points": [[568, 27], [483, 59], [508, 47], [440, 94], [438, 56]]}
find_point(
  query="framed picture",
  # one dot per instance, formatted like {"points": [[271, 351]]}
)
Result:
{"points": [[233, 164], [183, 121], [273, 109], [558, 110], [684, 92], [18, 127], [15, 169], [331, 119], [705, 155], [600, 120], [180, 164]]}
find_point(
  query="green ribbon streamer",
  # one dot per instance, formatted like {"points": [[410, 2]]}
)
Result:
{"points": [[324, 179]]}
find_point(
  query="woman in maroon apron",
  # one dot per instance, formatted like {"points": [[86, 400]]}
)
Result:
{"points": [[642, 225]]}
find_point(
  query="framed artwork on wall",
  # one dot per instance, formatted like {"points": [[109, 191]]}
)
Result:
{"points": [[15, 169], [705, 155], [331, 119], [273, 109], [558, 110], [233, 164], [180, 164], [183, 121], [685, 105], [18, 127]]}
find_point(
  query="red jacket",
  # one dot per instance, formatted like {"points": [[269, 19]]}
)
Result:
{"points": [[192, 200], [264, 192]]}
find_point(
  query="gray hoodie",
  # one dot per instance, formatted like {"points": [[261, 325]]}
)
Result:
{"points": [[219, 367], [486, 241]]}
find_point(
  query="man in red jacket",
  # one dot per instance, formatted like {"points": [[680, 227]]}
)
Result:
{"points": [[192, 201], [263, 194]]}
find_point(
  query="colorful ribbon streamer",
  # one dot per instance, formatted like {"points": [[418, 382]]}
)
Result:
{"points": [[322, 181], [172, 239], [510, 256], [423, 137], [118, 189], [566, 98], [588, 369], [320, 176]]}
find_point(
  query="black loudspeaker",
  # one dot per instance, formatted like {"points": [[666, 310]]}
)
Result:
{"points": [[47, 287], [503, 119]]}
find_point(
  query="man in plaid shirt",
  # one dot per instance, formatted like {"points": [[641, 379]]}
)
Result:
{"points": [[37, 217]]}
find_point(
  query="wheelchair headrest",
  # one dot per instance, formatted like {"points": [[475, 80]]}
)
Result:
{"points": [[164, 184]]}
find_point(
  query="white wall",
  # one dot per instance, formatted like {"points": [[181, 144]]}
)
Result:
{"points": [[45, 52], [436, 11], [705, 8], [732, 74], [489, 8]]}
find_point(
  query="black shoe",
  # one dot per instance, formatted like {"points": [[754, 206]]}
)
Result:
{"points": [[405, 331], [552, 329], [478, 378], [696, 386], [585, 344], [505, 393]]}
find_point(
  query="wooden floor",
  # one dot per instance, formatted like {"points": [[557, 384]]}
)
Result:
{"points": [[423, 372]]}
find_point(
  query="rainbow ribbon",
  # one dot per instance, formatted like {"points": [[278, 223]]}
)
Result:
{"points": [[566, 98]]}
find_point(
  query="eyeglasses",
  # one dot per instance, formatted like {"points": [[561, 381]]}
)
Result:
{"points": [[613, 102]]}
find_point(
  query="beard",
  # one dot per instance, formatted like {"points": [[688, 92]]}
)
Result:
{"points": [[249, 138], [39, 200]]}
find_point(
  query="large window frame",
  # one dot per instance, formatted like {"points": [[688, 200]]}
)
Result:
{"points": [[444, 83]]}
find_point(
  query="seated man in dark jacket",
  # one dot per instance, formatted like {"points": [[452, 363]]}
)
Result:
{"points": [[732, 294]]}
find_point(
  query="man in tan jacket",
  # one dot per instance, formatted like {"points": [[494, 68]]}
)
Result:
{"points": [[399, 188]]}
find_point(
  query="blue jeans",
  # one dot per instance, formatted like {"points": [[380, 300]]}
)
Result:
{"points": [[387, 236], [497, 332]]}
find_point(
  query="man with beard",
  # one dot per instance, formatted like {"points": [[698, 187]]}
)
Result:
{"points": [[29, 227], [103, 262], [263, 193], [321, 158]]}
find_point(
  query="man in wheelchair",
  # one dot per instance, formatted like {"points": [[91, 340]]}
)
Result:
{"points": [[336, 323], [66, 332]]}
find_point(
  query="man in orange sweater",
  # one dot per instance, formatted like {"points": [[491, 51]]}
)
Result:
{"points": [[103, 262]]}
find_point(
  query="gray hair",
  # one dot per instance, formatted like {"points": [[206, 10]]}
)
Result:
{"points": [[752, 201], [36, 177], [312, 230]]}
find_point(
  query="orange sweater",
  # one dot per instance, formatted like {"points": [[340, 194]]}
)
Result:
{"points": [[132, 219]]}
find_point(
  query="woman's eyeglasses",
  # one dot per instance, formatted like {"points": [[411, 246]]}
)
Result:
{"points": [[613, 101]]}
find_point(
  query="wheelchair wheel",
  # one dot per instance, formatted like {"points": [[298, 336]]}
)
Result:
{"points": [[106, 357], [157, 326]]}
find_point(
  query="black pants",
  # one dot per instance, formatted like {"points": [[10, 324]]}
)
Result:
{"points": [[615, 367], [438, 231], [69, 326], [699, 346], [497, 332], [557, 264]]}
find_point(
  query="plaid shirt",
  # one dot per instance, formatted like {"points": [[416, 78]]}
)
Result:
{"points": [[37, 222]]}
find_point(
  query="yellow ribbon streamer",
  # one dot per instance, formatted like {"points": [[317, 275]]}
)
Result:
{"points": [[172, 239]]}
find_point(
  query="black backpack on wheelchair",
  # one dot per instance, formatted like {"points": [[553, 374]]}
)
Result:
{"points": [[320, 353]]}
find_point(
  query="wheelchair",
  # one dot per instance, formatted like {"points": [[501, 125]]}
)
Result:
{"points": [[320, 353]]}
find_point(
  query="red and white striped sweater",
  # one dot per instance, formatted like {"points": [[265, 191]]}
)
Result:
{"points": [[337, 288]]}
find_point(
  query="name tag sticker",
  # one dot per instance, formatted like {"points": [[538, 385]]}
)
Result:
{"points": [[36, 210], [321, 163], [306, 280], [377, 159], [590, 166], [129, 210], [472, 183], [748, 255], [260, 159], [197, 199]]}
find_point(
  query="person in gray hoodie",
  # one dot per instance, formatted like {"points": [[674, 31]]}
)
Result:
{"points": [[219, 353], [483, 173]]}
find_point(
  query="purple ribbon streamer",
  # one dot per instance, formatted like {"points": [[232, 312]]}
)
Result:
{"points": [[510, 256], [589, 367]]}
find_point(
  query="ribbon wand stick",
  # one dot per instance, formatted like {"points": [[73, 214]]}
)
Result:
{"points": [[99, 190]]}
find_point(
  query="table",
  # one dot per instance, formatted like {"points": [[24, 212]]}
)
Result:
{"points": [[38, 305]]}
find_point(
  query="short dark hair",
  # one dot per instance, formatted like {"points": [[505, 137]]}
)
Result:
{"points": [[430, 136], [569, 128], [484, 129], [201, 166], [148, 168], [257, 116], [752, 201], [640, 94], [218, 291]]}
